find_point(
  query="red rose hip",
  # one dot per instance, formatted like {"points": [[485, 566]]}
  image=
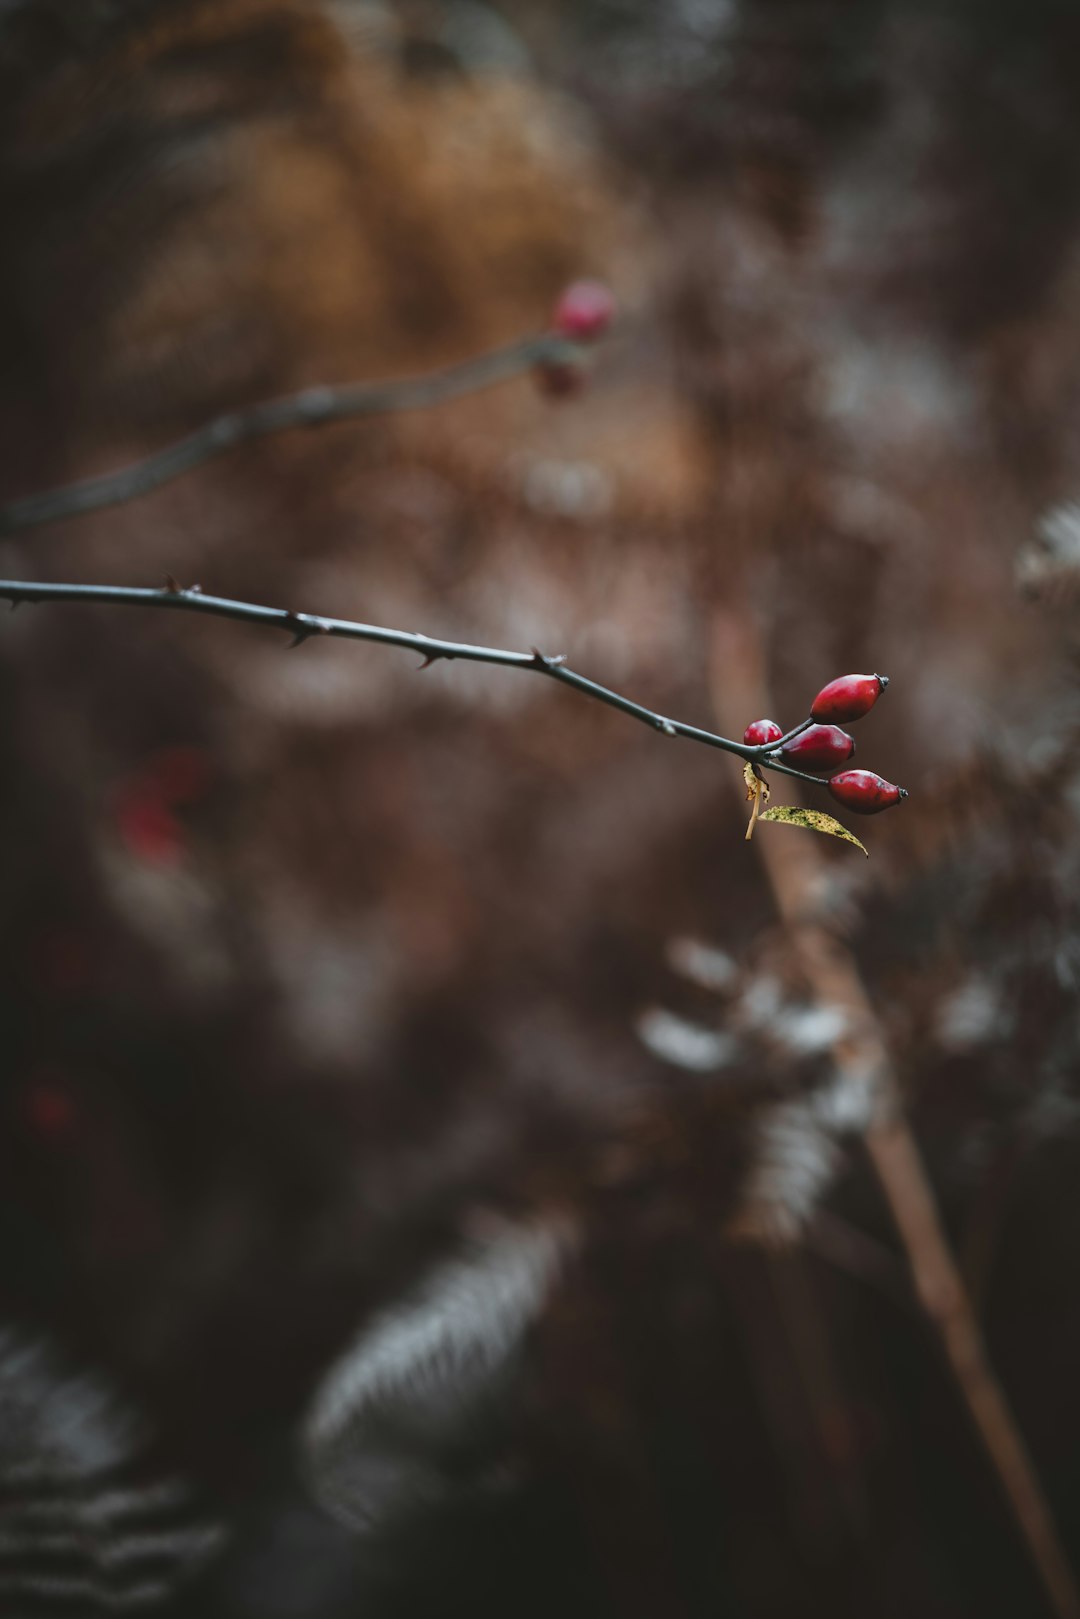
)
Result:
{"points": [[848, 698], [584, 311], [820, 747], [865, 793], [760, 732]]}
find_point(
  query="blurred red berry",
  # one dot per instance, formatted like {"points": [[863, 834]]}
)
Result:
{"points": [[146, 803], [148, 827], [848, 698], [819, 747], [760, 732], [863, 792], [584, 311]]}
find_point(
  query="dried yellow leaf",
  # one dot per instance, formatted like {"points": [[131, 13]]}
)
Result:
{"points": [[814, 821]]}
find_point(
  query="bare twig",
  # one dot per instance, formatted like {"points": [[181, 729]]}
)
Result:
{"points": [[303, 626], [312, 407], [862, 1063]]}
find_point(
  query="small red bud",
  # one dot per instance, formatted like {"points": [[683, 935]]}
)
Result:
{"points": [[584, 311], [863, 792], [848, 698], [761, 731], [819, 748]]}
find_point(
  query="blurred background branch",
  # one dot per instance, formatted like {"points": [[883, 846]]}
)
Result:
{"points": [[311, 407]]}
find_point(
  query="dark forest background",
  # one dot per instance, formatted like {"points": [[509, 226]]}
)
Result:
{"points": [[312, 965]]}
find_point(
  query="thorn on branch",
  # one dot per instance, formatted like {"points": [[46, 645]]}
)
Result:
{"points": [[434, 657], [304, 628], [171, 587], [543, 661], [665, 726]]}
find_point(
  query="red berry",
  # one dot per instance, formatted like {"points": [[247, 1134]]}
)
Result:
{"points": [[848, 697], [761, 731], [820, 747], [863, 792], [584, 311]]}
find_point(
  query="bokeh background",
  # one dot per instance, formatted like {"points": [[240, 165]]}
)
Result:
{"points": [[313, 964]]}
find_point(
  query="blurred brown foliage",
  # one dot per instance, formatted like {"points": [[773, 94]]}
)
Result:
{"points": [[311, 959]]}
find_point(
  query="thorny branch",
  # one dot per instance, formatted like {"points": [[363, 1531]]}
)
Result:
{"points": [[303, 626], [312, 407]]}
